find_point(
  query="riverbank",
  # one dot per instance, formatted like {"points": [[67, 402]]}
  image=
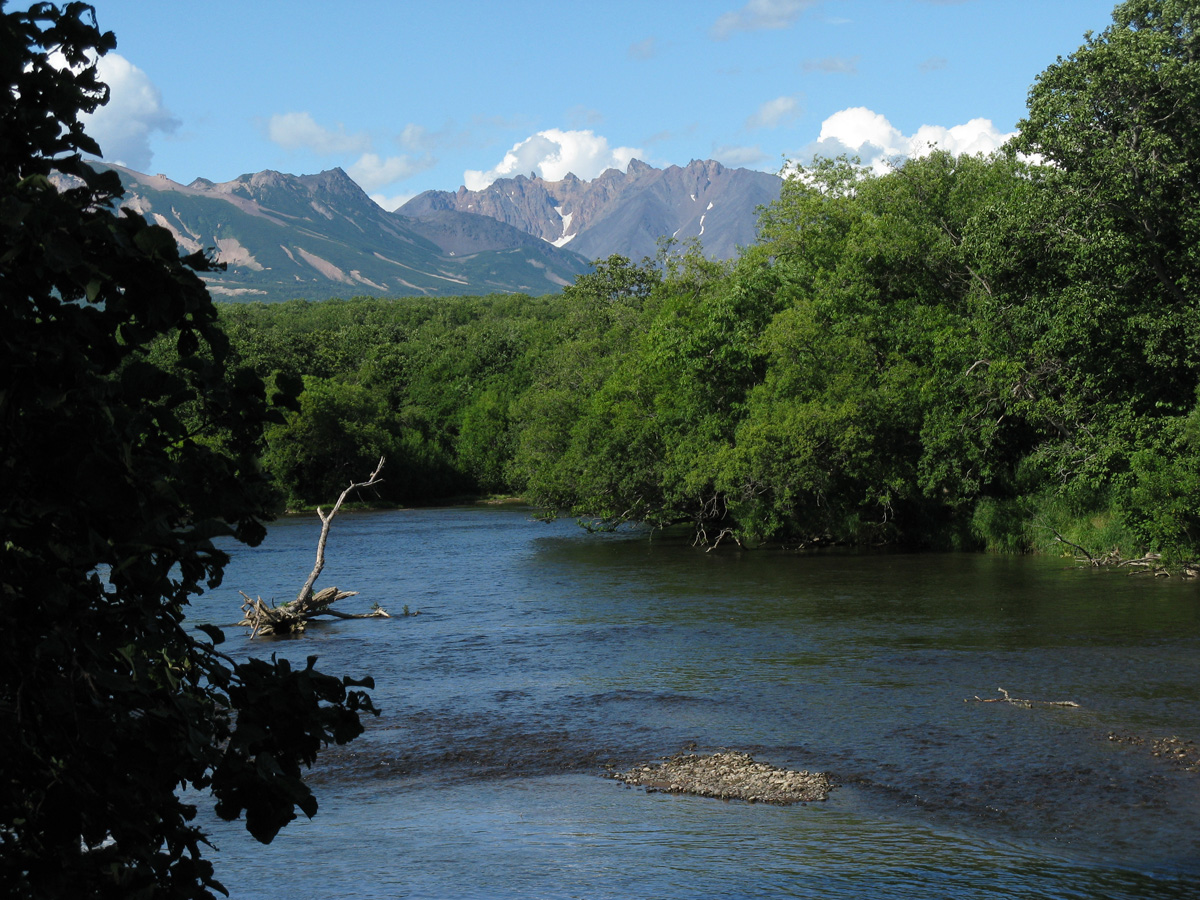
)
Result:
{"points": [[387, 506]]}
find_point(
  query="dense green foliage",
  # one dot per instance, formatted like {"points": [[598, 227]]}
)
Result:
{"points": [[427, 382], [116, 474], [963, 352]]}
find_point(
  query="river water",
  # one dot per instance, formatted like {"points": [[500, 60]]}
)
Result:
{"points": [[541, 654]]}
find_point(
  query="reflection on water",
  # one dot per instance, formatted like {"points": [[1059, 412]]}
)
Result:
{"points": [[542, 653]]}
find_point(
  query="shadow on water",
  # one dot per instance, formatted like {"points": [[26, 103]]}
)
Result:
{"points": [[542, 654]]}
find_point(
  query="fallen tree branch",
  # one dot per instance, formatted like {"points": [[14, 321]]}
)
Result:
{"points": [[292, 617], [1062, 540], [725, 532], [1016, 701]]}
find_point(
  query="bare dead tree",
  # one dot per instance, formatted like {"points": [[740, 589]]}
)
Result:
{"points": [[292, 617]]}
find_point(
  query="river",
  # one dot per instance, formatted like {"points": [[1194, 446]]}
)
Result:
{"points": [[541, 654]]}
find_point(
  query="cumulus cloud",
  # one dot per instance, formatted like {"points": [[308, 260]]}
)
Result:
{"points": [[299, 131], [554, 153], [869, 135], [134, 113], [833, 64], [372, 171], [774, 113], [758, 15], [976, 136]]}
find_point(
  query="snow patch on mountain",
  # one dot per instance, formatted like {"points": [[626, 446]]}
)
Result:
{"points": [[564, 238]]}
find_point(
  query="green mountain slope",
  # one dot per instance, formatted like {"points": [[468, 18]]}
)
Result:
{"points": [[316, 236]]}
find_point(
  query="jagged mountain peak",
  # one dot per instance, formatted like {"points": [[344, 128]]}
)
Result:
{"points": [[623, 212], [335, 179], [254, 183]]}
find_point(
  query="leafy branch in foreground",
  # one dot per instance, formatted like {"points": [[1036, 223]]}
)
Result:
{"points": [[109, 505]]}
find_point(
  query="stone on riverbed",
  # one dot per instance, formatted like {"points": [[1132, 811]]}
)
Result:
{"points": [[728, 775]]}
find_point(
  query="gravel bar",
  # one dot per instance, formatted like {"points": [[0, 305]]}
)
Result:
{"points": [[728, 775]]}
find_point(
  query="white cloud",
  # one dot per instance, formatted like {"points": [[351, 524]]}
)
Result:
{"points": [[298, 130], [859, 127], [774, 113], [134, 112], [757, 15], [976, 136], [869, 135], [554, 153], [391, 204], [372, 172]]}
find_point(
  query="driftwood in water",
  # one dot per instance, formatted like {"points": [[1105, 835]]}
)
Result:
{"points": [[1016, 701], [292, 617], [1149, 563]]}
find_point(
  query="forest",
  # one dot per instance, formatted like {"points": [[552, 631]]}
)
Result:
{"points": [[974, 352]]}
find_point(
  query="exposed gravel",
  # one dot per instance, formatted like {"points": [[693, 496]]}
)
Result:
{"points": [[1182, 753], [728, 775]]}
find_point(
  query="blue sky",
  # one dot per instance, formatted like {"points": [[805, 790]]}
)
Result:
{"points": [[412, 96]]}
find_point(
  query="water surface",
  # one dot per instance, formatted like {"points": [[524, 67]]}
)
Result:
{"points": [[542, 654]]}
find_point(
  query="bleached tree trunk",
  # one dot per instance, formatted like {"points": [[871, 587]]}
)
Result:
{"points": [[292, 617]]}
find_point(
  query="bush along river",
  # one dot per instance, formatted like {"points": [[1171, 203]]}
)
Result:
{"points": [[544, 658]]}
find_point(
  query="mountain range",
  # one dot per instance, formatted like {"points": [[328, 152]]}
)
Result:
{"points": [[625, 213], [316, 236]]}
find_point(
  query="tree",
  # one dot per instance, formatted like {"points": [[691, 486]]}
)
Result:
{"points": [[558, 462], [866, 425], [1109, 311], [337, 431], [109, 504], [1120, 119]]}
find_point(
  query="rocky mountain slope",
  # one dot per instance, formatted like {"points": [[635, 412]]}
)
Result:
{"points": [[619, 212], [317, 236]]}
